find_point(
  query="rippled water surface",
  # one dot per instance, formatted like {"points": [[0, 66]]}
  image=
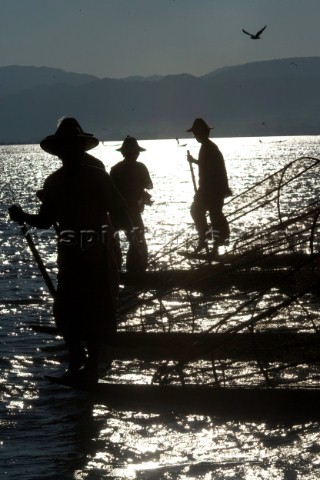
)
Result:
{"points": [[51, 432]]}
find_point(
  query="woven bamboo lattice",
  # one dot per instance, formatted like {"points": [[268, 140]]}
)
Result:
{"points": [[274, 228]]}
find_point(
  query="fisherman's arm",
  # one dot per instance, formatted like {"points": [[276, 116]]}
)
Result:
{"points": [[116, 205], [144, 176], [43, 219], [38, 220], [148, 183], [191, 159], [119, 214]]}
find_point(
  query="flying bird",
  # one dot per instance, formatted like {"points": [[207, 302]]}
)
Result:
{"points": [[255, 36]]}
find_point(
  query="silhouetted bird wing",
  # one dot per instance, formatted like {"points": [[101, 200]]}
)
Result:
{"points": [[260, 31], [255, 36]]}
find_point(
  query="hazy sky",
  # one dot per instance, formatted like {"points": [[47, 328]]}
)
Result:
{"points": [[118, 38]]}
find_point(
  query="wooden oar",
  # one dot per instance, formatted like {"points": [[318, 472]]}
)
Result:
{"points": [[35, 253], [195, 191], [192, 173], [38, 259]]}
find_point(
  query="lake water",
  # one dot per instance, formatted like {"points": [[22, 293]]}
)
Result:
{"points": [[50, 432]]}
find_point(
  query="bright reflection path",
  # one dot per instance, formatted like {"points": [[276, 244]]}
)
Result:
{"points": [[50, 432]]}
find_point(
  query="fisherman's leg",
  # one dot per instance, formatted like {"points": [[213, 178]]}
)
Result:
{"points": [[139, 225], [219, 224], [90, 372], [103, 334], [137, 258], [77, 354], [142, 243], [76, 351], [198, 214]]}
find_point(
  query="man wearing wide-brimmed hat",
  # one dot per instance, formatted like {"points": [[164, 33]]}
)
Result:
{"points": [[212, 190], [79, 197], [67, 125], [132, 179], [49, 144]]}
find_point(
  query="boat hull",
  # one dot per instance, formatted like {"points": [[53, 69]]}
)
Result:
{"points": [[269, 346], [278, 405]]}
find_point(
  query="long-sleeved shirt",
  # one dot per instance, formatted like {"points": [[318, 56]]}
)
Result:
{"points": [[213, 179]]}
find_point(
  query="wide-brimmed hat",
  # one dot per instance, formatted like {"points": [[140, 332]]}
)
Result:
{"points": [[69, 134], [130, 145], [199, 125]]}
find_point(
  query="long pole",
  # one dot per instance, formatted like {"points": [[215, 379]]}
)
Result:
{"points": [[35, 253], [192, 174], [195, 189], [38, 259]]}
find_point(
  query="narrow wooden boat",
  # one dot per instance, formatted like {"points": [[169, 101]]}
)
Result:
{"points": [[251, 258], [246, 271], [268, 346], [208, 277], [280, 405]]}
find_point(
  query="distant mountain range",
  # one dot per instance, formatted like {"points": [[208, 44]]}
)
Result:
{"points": [[276, 97]]}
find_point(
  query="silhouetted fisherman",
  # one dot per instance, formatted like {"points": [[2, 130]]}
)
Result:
{"points": [[213, 188], [132, 178], [79, 197]]}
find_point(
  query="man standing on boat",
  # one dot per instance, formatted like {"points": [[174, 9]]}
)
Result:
{"points": [[213, 188], [132, 179], [79, 197]]}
